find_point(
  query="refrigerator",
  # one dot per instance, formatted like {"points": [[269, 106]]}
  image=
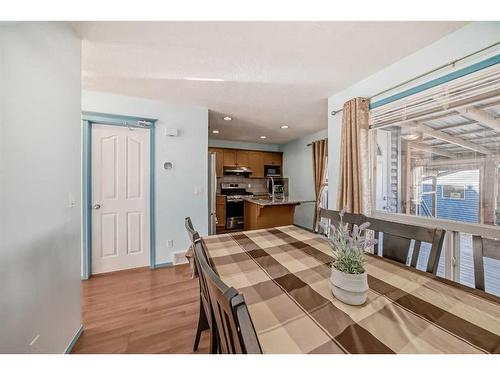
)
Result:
{"points": [[212, 192]]}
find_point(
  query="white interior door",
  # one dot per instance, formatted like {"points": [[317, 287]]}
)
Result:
{"points": [[120, 198]]}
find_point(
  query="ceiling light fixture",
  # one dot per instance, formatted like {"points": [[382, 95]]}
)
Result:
{"points": [[215, 131], [262, 137], [284, 126], [227, 118], [411, 137], [203, 79]]}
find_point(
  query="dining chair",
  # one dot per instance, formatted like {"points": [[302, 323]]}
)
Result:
{"points": [[190, 229], [333, 217], [483, 248], [236, 333], [205, 316], [397, 237]]}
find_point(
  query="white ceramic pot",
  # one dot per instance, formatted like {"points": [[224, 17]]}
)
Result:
{"points": [[349, 288]]}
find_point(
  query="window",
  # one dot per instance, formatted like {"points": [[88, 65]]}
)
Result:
{"points": [[436, 155], [324, 191]]}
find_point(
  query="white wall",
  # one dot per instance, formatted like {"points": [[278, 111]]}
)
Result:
{"points": [[175, 189], [242, 145], [298, 167], [471, 38], [39, 171]]}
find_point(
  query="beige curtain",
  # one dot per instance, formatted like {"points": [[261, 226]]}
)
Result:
{"points": [[354, 186], [320, 154]]}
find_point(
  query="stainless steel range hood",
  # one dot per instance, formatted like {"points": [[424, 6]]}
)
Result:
{"points": [[238, 171]]}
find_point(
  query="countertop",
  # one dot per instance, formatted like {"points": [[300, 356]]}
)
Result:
{"points": [[271, 202]]}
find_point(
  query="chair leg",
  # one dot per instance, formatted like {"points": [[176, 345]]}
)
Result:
{"points": [[213, 340], [202, 325]]}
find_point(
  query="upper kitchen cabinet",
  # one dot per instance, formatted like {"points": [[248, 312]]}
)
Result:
{"points": [[229, 158], [255, 160], [219, 160], [256, 163], [242, 158], [272, 158], [235, 158], [277, 158]]}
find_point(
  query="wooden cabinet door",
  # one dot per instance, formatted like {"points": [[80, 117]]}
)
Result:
{"points": [[272, 158], [229, 158], [220, 211], [276, 158], [256, 163], [268, 158], [219, 161], [242, 158]]}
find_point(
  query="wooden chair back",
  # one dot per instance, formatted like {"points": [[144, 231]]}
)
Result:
{"points": [[397, 238], [483, 248], [192, 233], [333, 217], [196, 239], [234, 326]]}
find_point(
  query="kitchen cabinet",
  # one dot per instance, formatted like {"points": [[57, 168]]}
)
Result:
{"points": [[242, 158], [229, 158], [272, 158], [277, 158], [235, 158], [260, 216], [256, 163], [255, 160], [220, 211], [219, 161]]}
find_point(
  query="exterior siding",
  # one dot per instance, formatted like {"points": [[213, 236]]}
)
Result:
{"points": [[455, 209]]}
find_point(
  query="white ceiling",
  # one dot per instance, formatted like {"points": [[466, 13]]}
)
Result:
{"points": [[273, 73]]}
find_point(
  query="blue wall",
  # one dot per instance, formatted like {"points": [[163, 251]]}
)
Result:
{"points": [[455, 209]]}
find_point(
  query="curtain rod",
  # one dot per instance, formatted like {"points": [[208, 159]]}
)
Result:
{"points": [[452, 63], [310, 144]]}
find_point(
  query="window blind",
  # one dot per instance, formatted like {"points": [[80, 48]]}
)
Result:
{"points": [[474, 89]]}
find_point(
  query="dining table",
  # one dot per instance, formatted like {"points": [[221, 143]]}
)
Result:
{"points": [[284, 276]]}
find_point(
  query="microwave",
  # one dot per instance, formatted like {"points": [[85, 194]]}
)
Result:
{"points": [[272, 170]]}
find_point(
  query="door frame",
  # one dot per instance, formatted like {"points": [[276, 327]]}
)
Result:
{"points": [[88, 119]]}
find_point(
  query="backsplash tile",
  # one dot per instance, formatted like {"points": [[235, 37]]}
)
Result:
{"points": [[257, 185]]}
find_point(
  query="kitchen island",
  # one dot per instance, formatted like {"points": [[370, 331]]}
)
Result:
{"points": [[263, 213]]}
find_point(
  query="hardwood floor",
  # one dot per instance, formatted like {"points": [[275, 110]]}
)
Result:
{"points": [[141, 311]]}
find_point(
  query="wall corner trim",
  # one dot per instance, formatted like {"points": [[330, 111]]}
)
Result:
{"points": [[74, 340]]}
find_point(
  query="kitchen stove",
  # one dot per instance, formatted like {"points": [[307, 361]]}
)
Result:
{"points": [[234, 193]]}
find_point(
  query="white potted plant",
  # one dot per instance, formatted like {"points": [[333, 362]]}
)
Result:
{"points": [[349, 281]]}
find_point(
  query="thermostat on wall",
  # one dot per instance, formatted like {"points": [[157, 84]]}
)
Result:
{"points": [[171, 132]]}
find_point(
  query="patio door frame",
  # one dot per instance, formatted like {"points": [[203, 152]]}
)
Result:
{"points": [[88, 119]]}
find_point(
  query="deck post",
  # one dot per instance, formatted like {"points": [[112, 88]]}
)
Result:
{"points": [[489, 190]]}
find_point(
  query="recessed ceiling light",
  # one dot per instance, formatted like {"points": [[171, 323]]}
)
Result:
{"points": [[227, 118], [262, 137], [215, 131], [284, 126], [203, 79]]}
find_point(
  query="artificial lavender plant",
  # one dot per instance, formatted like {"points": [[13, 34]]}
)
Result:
{"points": [[349, 247]]}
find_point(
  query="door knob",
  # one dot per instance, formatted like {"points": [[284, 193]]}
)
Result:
{"points": [[96, 206]]}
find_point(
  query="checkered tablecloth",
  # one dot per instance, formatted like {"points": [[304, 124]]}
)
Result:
{"points": [[284, 274]]}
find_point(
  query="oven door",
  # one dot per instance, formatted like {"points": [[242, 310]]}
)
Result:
{"points": [[234, 214]]}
